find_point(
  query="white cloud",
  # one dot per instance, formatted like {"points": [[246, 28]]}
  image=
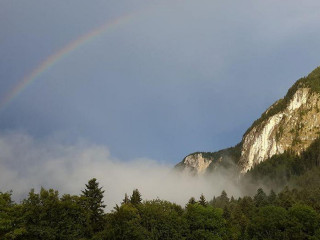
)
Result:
{"points": [[27, 163]]}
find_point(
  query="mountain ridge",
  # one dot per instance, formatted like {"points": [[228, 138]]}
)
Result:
{"points": [[291, 123]]}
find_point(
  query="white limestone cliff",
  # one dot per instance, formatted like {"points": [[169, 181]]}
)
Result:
{"points": [[196, 162], [293, 128], [292, 123]]}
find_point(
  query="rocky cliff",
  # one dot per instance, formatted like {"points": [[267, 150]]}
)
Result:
{"points": [[196, 163], [294, 128], [291, 123]]}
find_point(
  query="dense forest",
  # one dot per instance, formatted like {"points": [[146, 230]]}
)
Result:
{"points": [[287, 169], [290, 214]]}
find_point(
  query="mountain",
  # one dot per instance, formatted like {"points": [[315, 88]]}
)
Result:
{"points": [[290, 124]]}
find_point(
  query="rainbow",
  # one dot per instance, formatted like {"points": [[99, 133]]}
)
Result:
{"points": [[60, 54]]}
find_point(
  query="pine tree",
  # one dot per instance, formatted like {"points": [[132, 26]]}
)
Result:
{"points": [[126, 199], [222, 200], [224, 197], [192, 200], [260, 198], [135, 199], [203, 201], [93, 195], [226, 213], [272, 197]]}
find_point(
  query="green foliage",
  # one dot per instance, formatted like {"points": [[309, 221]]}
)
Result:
{"points": [[279, 133], [163, 220], [5, 218], [233, 153], [226, 158], [192, 200], [221, 201], [10, 226], [46, 216], [74, 217], [135, 198], [269, 223], [303, 222], [205, 221], [154, 219], [203, 201], [93, 201], [39, 209], [260, 198], [289, 215], [125, 224], [272, 198], [288, 168]]}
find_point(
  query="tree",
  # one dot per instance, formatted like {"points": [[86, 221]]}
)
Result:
{"points": [[205, 222], [192, 201], [221, 201], [224, 196], [285, 198], [226, 213], [135, 198], [126, 199], [41, 214], [10, 214], [303, 222], [269, 223], [71, 222], [163, 220], [203, 201], [260, 198], [272, 197], [124, 223], [92, 196]]}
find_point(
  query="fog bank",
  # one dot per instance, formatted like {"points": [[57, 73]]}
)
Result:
{"points": [[26, 163]]}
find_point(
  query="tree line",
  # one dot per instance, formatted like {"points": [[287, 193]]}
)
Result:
{"points": [[290, 214]]}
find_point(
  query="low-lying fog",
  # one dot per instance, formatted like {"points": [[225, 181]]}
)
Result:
{"points": [[26, 163]]}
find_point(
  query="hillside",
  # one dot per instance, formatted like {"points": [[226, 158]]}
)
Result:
{"points": [[290, 124]]}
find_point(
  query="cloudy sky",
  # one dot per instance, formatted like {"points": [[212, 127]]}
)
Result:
{"points": [[145, 79]]}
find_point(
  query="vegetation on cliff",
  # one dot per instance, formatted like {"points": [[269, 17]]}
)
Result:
{"points": [[312, 81], [227, 157]]}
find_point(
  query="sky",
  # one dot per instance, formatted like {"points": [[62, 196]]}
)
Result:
{"points": [[145, 80]]}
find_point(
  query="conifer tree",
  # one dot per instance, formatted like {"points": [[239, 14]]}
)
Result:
{"points": [[203, 201], [226, 213], [272, 197], [135, 198], [93, 201], [192, 201], [126, 199], [224, 197], [260, 198], [222, 200]]}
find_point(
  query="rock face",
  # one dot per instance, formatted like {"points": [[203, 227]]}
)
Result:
{"points": [[201, 162], [292, 123], [294, 128], [197, 163]]}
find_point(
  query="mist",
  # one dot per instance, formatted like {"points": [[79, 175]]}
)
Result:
{"points": [[27, 162]]}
